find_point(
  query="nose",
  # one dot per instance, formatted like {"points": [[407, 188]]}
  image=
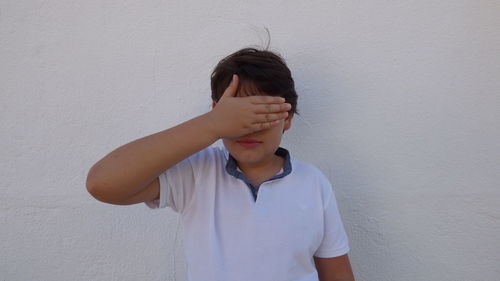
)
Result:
{"points": [[249, 135], [256, 134]]}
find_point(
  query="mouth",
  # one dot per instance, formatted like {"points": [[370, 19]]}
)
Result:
{"points": [[249, 143]]}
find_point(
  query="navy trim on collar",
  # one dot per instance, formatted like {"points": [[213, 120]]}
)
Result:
{"points": [[232, 169]]}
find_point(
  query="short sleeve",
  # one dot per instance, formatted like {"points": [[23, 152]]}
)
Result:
{"points": [[335, 242], [176, 187]]}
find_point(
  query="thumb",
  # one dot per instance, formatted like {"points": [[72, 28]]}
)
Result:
{"points": [[232, 88]]}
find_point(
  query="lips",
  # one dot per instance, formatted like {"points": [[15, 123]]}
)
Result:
{"points": [[249, 143]]}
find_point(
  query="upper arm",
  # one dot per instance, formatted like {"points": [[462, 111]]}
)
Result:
{"points": [[149, 193], [334, 269]]}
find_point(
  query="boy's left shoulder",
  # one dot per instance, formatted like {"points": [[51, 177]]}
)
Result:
{"points": [[308, 169], [310, 176]]}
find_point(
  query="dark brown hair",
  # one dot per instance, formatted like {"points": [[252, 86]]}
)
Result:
{"points": [[265, 69]]}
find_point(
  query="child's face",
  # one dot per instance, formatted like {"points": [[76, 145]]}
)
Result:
{"points": [[256, 149]]}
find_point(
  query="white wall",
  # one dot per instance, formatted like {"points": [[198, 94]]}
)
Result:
{"points": [[399, 107]]}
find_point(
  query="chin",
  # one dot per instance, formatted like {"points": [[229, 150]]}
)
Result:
{"points": [[247, 157]]}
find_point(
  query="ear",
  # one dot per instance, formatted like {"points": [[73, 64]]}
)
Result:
{"points": [[213, 104], [288, 122]]}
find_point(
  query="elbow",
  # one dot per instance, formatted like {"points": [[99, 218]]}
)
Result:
{"points": [[104, 191], [95, 187], [101, 194], [94, 190]]}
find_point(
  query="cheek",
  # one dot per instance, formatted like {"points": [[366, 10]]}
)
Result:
{"points": [[226, 142], [276, 133], [280, 128]]}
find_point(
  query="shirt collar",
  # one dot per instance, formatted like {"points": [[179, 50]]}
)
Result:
{"points": [[232, 167]]}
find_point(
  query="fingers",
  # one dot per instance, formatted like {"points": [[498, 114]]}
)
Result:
{"points": [[232, 88], [265, 99], [272, 108], [271, 117], [266, 125]]}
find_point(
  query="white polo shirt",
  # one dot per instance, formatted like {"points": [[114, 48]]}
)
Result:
{"points": [[234, 234]]}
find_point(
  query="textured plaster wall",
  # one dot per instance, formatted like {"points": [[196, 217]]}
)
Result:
{"points": [[399, 105]]}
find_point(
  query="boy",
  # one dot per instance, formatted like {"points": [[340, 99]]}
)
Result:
{"points": [[249, 210]]}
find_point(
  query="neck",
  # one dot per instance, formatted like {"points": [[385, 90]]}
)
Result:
{"points": [[258, 173]]}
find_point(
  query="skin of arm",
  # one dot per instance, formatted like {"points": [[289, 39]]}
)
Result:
{"points": [[126, 171], [334, 269]]}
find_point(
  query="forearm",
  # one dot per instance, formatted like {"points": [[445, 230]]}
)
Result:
{"points": [[334, 269], [128, 169], [346, 277]]}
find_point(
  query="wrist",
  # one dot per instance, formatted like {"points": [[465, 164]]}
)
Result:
{"points": [[209, 125]]}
